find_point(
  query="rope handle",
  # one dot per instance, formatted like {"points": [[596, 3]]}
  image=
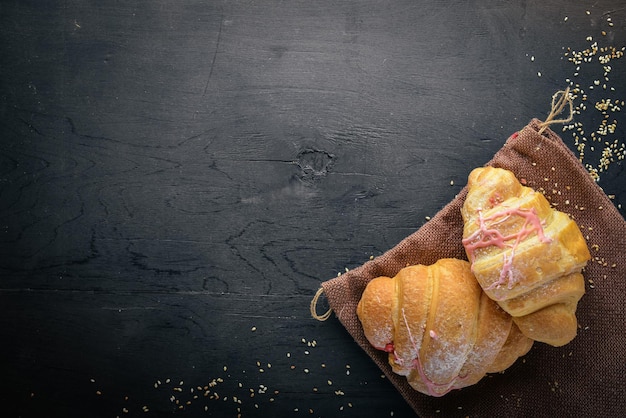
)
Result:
{"points": [[314, 301], [556, 109]]}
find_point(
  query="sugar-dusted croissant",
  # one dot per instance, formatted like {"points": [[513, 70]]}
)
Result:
{"points": [[526, 255], [440, 329]]}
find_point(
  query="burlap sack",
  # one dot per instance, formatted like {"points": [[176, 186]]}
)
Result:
{"points": [[585, 378]]}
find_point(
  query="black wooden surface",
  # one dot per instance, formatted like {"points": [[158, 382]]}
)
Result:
{"points": [[178, 178]]}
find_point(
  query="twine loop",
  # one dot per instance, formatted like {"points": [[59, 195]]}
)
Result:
{"points": [[559, 100], [314, 301]]}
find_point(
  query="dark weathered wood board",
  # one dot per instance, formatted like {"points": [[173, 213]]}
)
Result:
{"points": [[177, 178]]}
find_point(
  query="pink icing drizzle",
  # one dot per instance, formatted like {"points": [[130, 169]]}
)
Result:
{"points": [[417, 364], [486, 236], [430, 385]]}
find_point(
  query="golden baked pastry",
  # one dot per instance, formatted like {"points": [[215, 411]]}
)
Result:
{"points": [[440, 329], [526, 255]]}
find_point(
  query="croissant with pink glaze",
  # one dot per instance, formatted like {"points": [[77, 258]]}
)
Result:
{"points": [[440, 329], [526, 255]]}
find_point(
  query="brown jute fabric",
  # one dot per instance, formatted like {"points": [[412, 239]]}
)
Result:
{"points": [[584, 378]]}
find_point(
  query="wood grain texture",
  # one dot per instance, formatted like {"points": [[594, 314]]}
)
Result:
{"points": [[174, 174]]}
